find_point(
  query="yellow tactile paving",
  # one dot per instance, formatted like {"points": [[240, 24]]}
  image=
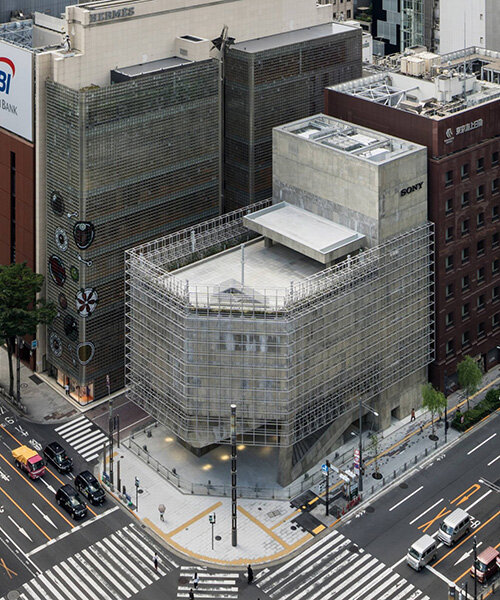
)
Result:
{"points": [[318, 529], [193, 520], [269, 532]]}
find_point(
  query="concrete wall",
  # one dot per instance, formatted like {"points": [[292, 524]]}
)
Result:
{"points": [[492, 25], [461, 20]]}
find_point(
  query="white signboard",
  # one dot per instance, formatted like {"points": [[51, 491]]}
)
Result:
{"points": [[16, 90]]}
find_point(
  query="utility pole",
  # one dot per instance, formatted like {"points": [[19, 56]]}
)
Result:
{"points": [[327, 463], [211, 519], [18, 371], [234, 496], [110, 431], [475, 575], [137, 494], [360, 478]]}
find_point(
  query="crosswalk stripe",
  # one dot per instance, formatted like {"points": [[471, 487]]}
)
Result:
{"points": [[70, 424], [380, 585], [77, 433], [93, 436], [89, 581], [105, 573], [97, 445], [63, 576], [366, 582], [131, 564], [141, 568], [55, 594], [32, 595], [211, 586], [146, 560], [131, 537], [112, 562], [59, 586]]}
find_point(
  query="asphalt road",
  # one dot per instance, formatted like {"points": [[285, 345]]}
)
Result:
{"points": [[457, 478]]}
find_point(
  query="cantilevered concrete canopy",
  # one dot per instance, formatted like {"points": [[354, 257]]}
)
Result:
{"points": [[303, 231]]}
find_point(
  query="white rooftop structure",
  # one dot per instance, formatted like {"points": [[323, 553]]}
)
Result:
{"points": [[308, 233]]}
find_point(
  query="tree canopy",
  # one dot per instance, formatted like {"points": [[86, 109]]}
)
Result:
{"points": [[433, 400], [469, 376]]}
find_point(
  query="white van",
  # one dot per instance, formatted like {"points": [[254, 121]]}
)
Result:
{"points": [[454, 527], [422, 552]]}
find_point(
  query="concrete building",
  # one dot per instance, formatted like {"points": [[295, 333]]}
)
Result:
{"points": [[292, 309], [343, 10], [25, 8], [120, 141], [457, 118]]}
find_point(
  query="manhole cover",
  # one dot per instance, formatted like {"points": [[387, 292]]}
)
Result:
{"points": [[13, 595], [403, 486], [293, 527], [23, 385], [140, 491], [369, 509], [218, 538]]}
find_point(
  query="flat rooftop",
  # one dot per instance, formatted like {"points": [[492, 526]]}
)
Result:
{"points": [[308, 233], [434, 97], [291, 37], [348, 138], [155, 66], [268, 274]]}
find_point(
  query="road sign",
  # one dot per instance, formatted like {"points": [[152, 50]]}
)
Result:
{"points": [[34, 344], [137, 482], [343, 477], [356, 453], [324, 469], [350, 474]]}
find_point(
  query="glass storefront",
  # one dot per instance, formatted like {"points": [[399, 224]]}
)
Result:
{"points": [[83, 394]]}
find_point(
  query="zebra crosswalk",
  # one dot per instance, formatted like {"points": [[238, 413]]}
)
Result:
{"points": [[84, 437], [115, 568], [336, 569], [211, 586]]}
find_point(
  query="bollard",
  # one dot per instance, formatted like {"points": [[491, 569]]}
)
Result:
{"points": [[394, 474], [416, 457], [404, 468], [426, 452]]}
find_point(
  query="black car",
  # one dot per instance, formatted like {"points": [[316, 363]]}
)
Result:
{"points": [[56, 454], [68, 498], [88, 485]]}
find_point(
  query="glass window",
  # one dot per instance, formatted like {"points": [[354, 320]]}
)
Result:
{"points": [[449, 206], [465, 255], [464, 171], [495, 320], [495, 293], [480, 219], [481, 302], [480, 275], [465, 282], [480, 165], [465, 199], [465, 338], [480, 329], [480, 248], [449, 290], [464, 227], [494, 186], [494, 213], [495, 240], [494, 158], [449, 347], [465, 310], [448, 263], [495, 265], [448, 178], [449, 319], [449, 234], [480, 193]]}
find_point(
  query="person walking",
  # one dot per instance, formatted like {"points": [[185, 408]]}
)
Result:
{"points": [[155, 561], [191, 594], [196, 579], [249, 574], [66, 388], [413, 417], [161, 510]]}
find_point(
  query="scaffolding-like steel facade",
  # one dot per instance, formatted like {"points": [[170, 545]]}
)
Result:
{"points": [[293, 360]]}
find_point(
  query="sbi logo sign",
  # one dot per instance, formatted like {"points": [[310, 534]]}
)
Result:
{"points": [[6, 76]]}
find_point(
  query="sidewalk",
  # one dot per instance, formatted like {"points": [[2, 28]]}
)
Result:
{"points": [[266, 527]]}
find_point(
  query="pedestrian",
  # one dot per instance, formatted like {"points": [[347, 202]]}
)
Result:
{"points": [[196, 579], [161, 510], [191, 595], [413, 417], [155, 560], [66, 388], [249, 574]]}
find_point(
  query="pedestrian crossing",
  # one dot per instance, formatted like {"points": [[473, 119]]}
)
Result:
{"points": [[115, 568], [211, 586], [84, 437], [336, 569]]}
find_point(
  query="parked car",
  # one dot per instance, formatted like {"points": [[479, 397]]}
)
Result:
{"points": [[69, 499], [88, 485], [486, 565], [56, 454]]}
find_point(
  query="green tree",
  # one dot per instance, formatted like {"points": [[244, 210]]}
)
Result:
{"points": [[433, 400], [469, 377], [20, 310]]}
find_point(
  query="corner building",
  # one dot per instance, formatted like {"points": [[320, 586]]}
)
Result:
{"points": [[295, 308], [458, 119]]}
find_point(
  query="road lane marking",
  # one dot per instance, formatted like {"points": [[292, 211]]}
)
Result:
{"points": [[7, 570], [407, 498], [478, 500], [426, 511], [399, 562], [481, 444], [494, 460], [77, 528], [67, 426], [34, 488], [46, 517], [425, 526], [25, 514], [438, 574], [466, 554], [464, 496], [37, 570], [21, 530], [468, 537]]}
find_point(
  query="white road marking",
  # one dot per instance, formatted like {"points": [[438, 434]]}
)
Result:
{"points": [[466, 555], [481, 444], [426, 511], [478, 500], [67, 426], [46, 517], [47, 485], [21, 530], [407, 498], [20, 551], [492, 461], [438, 574]]}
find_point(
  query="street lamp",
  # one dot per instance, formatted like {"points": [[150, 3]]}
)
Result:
{"points": [[475, 574], [360, 477]]}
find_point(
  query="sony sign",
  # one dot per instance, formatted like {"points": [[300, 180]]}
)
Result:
{"points": [[109, 15], [412, 188], [16, 90]]}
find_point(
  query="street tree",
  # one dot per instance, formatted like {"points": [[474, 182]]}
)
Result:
{"points": [[469, 376], [434, 401], [20, 309]]}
